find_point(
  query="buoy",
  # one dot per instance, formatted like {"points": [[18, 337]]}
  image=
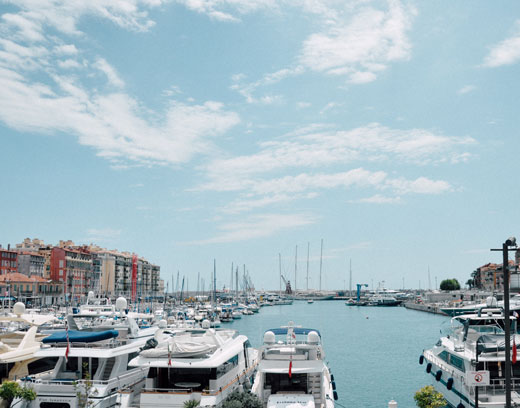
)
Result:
{"points": [[438, 375], [428, 367], [449, 383], [461, 405], [421, 359]]}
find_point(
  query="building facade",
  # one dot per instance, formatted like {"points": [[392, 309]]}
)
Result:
{"points": [[8, 261], [31, 264], [33, 291], [73, 267]]}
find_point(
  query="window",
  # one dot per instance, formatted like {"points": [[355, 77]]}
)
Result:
{"points": [[61, 263], [457, 362], [444, 356]]}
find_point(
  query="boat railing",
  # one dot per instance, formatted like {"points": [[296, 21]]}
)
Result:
{"points": [[97, 344], [73, 382], [169, 390], [497, 386]]}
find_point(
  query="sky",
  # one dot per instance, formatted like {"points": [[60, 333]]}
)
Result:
{"points": [[237, 130]]}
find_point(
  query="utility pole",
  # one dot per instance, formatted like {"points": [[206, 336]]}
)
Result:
{"points": [[510, 242]]}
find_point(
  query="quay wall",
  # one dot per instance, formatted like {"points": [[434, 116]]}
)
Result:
{"points": [[424, 307]]}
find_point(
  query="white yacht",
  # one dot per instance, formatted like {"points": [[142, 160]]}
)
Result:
{"points": [[292, 372], [203, 365], [92, 363], [19, 340], [476, 343]]}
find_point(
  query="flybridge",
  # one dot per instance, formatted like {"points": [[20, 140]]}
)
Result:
{"points": [[296, 330]]}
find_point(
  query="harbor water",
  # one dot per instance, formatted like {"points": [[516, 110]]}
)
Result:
{"points": [[373, 352]]}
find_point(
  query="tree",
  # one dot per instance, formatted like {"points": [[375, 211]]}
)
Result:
{"points": [[470, 283], [85, 389], [9, 390], [242, 400], [450, 284], [427, 397]]}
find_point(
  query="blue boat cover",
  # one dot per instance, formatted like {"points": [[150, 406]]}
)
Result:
{"points": [[78, 336], [296, 330]]}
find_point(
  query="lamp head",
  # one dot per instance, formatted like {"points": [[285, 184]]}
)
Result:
{"points": [[511, 241]]}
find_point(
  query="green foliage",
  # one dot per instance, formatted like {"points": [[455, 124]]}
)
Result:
{"points": [[85, 389], [470, 283], [9, 390], [427, 397], [191, 404], [450, 284], [242, 400]]}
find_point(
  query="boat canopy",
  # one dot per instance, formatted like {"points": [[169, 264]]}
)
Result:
{"points": [[296, 330], [78, 336], [489, 343]]}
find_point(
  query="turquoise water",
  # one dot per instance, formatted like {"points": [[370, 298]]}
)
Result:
{"points": [[373, 352]]}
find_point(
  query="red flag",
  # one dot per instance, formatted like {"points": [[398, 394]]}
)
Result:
{"points": [[68, 344], [290, 368], [514, 350]]}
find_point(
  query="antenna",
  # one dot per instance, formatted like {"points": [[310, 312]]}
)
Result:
{"points": [[321, 260], [295, 268], [308, 250]]}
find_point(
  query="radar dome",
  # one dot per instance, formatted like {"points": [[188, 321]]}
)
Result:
{"points": [[269, 337], [121, 303], [206, 324], [313, 337], [91, 295], [19, 308], [162, 324]]}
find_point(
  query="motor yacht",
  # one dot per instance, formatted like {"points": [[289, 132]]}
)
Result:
{"points": [[292, 371], [203, 365], [92, 363], [476, 342]]}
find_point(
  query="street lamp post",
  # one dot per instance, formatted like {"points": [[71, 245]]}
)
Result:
{"points": [[510, 242]]}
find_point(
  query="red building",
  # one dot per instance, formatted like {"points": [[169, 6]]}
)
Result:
{"points": [[8, 261], [74, 268]]}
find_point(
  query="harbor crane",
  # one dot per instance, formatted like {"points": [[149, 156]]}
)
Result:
{"points": [[288, 289], [359, 286]]}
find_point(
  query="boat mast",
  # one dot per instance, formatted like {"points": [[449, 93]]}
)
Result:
{"points": [[280, 270], [308, 249], [321, 260], [214, 282], [350, 279], [295, 267]]}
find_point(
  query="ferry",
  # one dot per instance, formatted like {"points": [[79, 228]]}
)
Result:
{"points": [[292, 371], [203, 365], [475, 343]]}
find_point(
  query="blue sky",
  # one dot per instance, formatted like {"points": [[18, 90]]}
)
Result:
{"points": [[190, 130]]}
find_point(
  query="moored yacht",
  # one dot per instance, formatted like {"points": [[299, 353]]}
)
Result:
{"points": [[292, 372], [203, 365], [89, 362], [476, 343]]}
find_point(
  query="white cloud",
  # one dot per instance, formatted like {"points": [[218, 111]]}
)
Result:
{"points": [[243, 205], [315, 147], [110, 72], [466, 89], [37, 97], [103, 235], [506, 52], [224, 10], [378, 199], [258, 226], [421, 185], [361, 46]]}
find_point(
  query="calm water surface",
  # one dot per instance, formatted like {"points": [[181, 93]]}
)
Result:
{"points": [[373, 352]]}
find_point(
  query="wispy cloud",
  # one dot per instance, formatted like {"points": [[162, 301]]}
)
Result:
{"points": [[39, 93], [466, 89], [506, 52], [378, 199], [103, 235], [258, 226]]}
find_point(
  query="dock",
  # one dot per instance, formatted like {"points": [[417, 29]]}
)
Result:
{"points": [[425, 307]]}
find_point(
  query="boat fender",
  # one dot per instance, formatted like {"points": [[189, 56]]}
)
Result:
{"points": [[438, 375], [461, 405], [421, 359], [332, 377], [335, 395], [449, 383], [333, 385], [428, 367]]}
